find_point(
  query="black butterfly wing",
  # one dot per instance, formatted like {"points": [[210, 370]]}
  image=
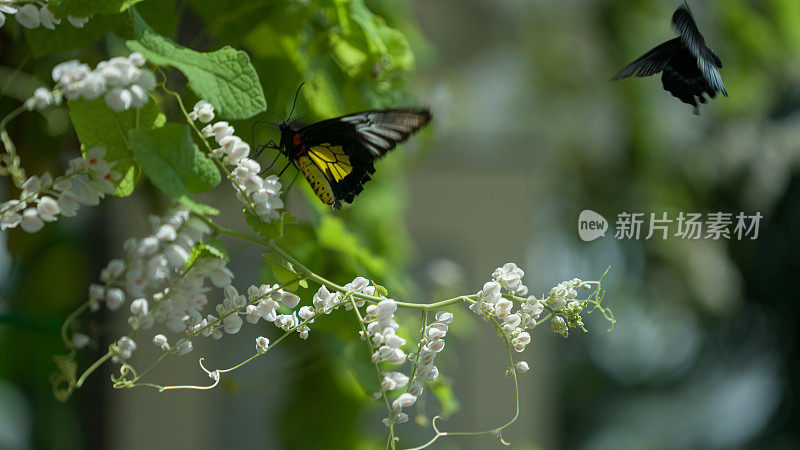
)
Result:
{"points": [[344, 148], [651, 62], [707, 61]]}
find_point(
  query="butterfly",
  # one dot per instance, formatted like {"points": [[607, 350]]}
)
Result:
{"points": [[336, 156], [689, 69]]}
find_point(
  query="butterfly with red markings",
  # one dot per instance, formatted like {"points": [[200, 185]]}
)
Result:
{"points": [[689, 69], [336, 155]]}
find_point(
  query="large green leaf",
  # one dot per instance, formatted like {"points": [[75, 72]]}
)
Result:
{"points": [[224, 77], [86, 8], [98, 126], [172, 161]]}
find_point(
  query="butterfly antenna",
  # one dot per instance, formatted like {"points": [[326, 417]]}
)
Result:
{"points": [[295, 100], [276, 115]]}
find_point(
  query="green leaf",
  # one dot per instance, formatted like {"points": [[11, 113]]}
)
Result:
{"points": [[201, 209], [98, 126], [380, 291], [284, 272], [334, 235], [272, 230], [86, 8], [66, 37], [172, 161], [208, 249], [225, 77]]}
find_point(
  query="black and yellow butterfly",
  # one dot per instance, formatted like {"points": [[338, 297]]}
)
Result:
{"points": [[336, 155]]}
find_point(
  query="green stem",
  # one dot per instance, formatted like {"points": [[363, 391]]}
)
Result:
{"points": [[92, 368]]}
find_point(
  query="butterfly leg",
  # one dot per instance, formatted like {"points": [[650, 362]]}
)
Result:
{"points": [[286, 192], [270, 166]]}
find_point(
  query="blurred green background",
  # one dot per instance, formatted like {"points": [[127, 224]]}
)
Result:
{"points": [[527, 133]]}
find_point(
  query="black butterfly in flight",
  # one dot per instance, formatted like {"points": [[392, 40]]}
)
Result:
{"points": [[689, 68], [336, 155]]}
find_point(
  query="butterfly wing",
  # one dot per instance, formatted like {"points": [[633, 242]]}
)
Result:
{"points": [[651, 62], [344, 148], [707, 61]]}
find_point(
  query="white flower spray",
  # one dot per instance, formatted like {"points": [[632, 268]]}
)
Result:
{"points": [[43, 199], [123, 82]]}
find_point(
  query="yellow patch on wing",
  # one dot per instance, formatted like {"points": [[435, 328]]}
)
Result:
{"points": [[332, 160]]}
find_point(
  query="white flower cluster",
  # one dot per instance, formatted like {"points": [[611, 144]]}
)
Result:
{"points": [[510, 278], [262, 302], [492, 304], [43, 198], [125, 347], [122, 79], [31, 16], [432, 342], [561, 299], [263, 194], [155, 277], [382, 330]]}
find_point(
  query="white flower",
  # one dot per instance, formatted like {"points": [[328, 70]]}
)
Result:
{"points": [[262, 344], [31, 186], [522, 367], [68, 204], [521, 340], [185, 347], [139, 307], [88, 195], [202, 111], [138, 96], [92, 86], [161, 341], [509, 276], [47, 209], [176, 255], [28, 16], [403, 401], [119, 99], [401, 418], [41, 99], [9, 219], [77, 22], [289, 300], [559, 326], [232, 324], [444, 317], [146, 80], [31, 222], [137, 59], [6, 7], [114, 298], [48, 20], [126, 347], [80, 340]]}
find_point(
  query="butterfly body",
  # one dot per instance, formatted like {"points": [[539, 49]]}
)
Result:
{"points": [[689, 69], [336, 155]]}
